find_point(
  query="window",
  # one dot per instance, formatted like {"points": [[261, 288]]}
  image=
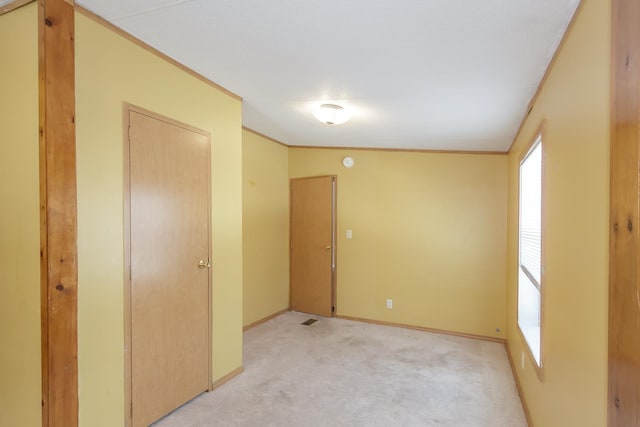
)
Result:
{"points": [[530, 260]]}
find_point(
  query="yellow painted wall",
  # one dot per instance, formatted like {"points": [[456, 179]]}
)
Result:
{"points": [[19, 220], [265, 223], [109, 71], [575, 104], [429, 232]]}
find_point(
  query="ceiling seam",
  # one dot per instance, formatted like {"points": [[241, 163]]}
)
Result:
{"points": [[152, 9]]}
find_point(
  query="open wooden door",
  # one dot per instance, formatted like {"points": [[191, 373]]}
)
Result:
{"points": [[313, 251], [169, 281]]}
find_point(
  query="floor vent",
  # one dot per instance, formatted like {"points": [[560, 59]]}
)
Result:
{"points": [[309, 322]]}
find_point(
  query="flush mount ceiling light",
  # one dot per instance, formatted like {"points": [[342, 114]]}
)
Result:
{"points": [[332, 114]]}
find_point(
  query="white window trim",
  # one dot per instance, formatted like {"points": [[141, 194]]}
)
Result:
{"points": [[537, 140]]}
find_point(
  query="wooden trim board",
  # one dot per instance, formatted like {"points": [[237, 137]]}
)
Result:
{"points": [[623, 406], [58, 213], [547, 72], [264, 136], [404, 150], [128, 398], [11, 6], [100, 20], [225, 379], [424, 329], [525, 408], [399, 150], [264, 319]]}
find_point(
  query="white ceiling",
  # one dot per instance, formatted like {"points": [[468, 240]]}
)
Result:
{"points": [[417, 74]]}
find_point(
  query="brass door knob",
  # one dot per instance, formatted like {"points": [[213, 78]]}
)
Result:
{"points": [[204, 264]]}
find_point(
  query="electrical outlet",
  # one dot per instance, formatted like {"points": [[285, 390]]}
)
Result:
{"points": [[389, 303]]}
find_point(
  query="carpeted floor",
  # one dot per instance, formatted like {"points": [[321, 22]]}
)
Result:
{"points": [[338, 372]]}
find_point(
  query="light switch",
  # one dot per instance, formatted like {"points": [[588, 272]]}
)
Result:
{"points": [[349, 234]]}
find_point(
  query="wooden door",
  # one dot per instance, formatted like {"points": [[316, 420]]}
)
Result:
{"points": [[169, 181], [312, 256]]}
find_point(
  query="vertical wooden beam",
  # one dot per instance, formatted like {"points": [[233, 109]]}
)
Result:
{"points": [[624, 290], [58, 218]]}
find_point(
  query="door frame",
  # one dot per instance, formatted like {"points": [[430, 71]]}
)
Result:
{"points": [[126, 111], [334, 240]]}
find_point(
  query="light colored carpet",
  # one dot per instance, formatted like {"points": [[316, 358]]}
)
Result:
{"points": [[342, 373]]}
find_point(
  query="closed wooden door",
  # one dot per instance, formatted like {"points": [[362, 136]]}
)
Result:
{"points": [[313, 253], [169, 265]]}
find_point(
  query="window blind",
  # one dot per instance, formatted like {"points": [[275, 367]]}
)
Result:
{"points": [[531, 214]]}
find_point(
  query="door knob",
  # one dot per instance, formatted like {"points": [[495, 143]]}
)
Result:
{"points": [[204, 264], [328, 247]]}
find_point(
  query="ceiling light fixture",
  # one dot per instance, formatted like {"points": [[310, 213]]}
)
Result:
{"points": [[332, 114]]}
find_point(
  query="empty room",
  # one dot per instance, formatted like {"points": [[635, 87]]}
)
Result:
{"points": [[337, 213]]}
